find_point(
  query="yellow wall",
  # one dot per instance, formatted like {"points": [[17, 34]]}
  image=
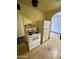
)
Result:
{"points": [[26, 20], [49, 14], [31, 14], [43, 5], [44, 11], [48, 5]]}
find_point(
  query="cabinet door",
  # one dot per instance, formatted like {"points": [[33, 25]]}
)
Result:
{"points": [[20, 27], [46, 30]]}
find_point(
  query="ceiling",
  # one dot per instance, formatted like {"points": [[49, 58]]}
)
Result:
{"points": [[43, 5]]}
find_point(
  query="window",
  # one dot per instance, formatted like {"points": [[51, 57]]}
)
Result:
{"points": [[56, 23]]}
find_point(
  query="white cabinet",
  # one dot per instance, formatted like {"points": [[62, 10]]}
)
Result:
{"points": [[20, 26]]}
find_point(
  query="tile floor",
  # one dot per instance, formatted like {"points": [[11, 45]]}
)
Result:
{"points": [[50, 49]]}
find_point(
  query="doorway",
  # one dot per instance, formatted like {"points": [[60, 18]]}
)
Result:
{"points": [[56, 25]]}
